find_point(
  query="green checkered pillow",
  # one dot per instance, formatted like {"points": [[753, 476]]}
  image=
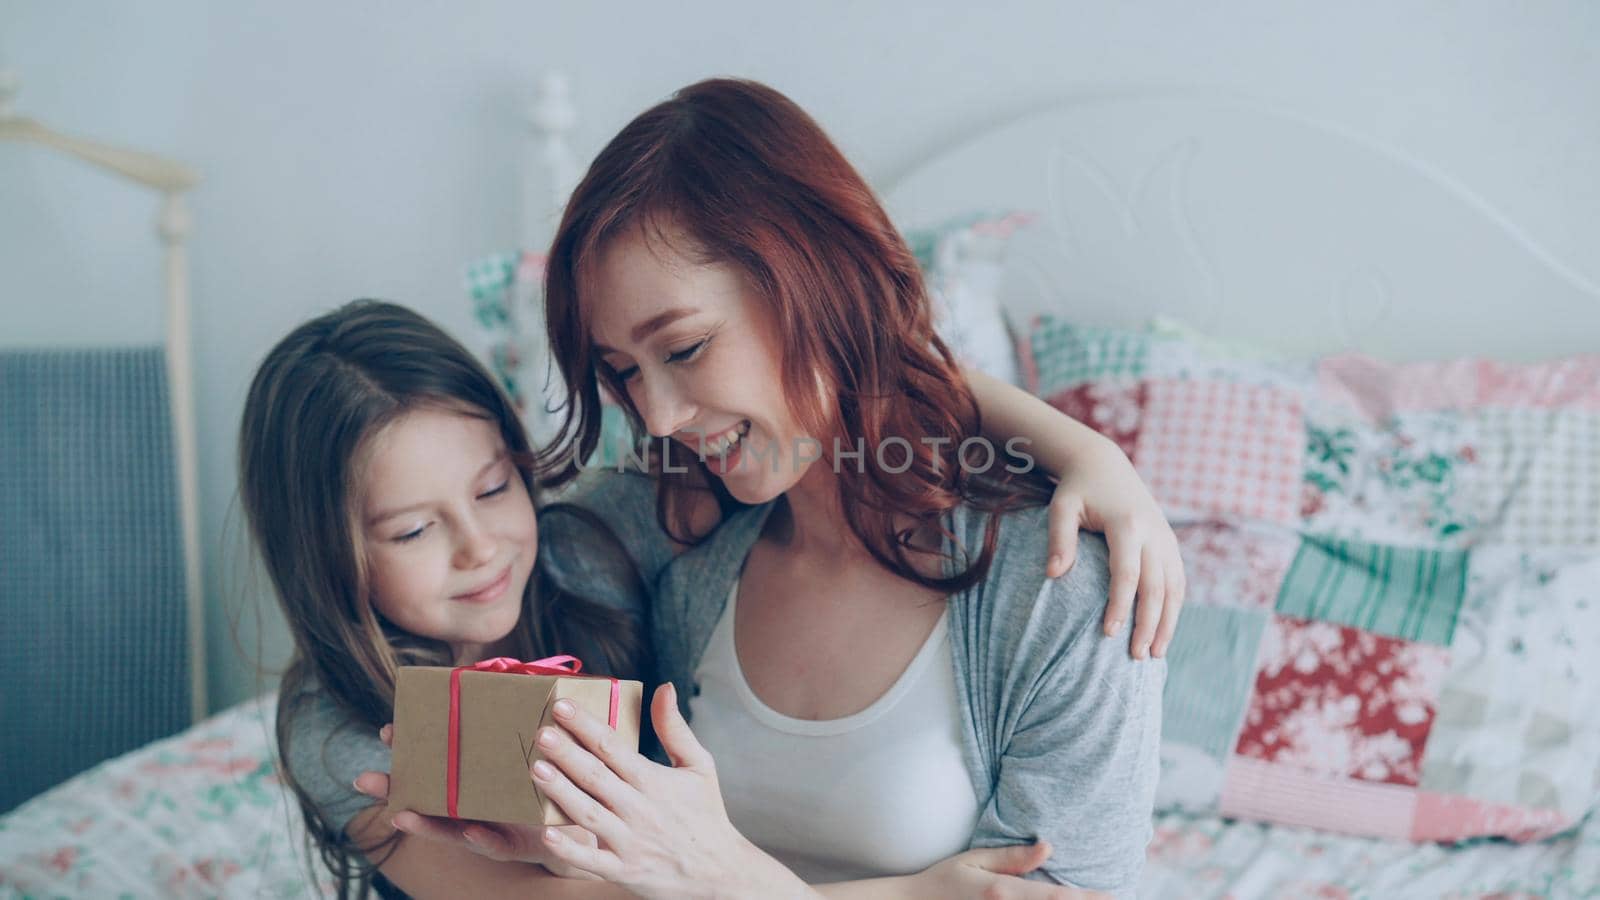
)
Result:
{"points": [[1058, 354]]}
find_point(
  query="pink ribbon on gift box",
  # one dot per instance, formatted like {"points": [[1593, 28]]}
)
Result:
{"points": [[565, 666]]}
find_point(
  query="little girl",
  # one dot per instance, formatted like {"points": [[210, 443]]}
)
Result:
{"points": [[385, 480], [383, 475]]}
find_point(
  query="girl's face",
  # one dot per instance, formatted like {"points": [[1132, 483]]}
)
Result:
{"points": [[699, 354], [449, 529]]}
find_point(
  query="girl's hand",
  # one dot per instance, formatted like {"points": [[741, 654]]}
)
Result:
{"points": [[496, 840], [1102, 492], [993, 874], [663, 830], [1097, 489]]}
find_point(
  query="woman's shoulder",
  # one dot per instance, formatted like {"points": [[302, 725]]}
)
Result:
{"points": [[1016, 573], [1019, 614], [718, 555], [693, 589]]}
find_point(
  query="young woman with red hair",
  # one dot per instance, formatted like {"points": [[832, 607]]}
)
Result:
{"points": [[851, 604]]}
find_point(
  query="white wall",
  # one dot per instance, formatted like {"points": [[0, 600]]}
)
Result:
{"points": [[364, 149]]}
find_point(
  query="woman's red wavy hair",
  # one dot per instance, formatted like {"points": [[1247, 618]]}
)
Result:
{"points": [[750, 180]]}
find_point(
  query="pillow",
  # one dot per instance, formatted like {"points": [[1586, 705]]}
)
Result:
{"points": [[507, 294], [962, 261], [506, 290], [1394, 578]]}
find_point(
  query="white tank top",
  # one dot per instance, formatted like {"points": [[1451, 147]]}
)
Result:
{"points": [[884, 791]]}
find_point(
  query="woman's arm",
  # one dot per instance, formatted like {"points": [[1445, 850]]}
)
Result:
{"points": [[1098, 489], [722, 862], [653, 821], [1082, 759], [664, 832], [988, 873]]}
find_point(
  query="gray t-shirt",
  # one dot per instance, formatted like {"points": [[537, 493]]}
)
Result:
{"points": [[326, 751], [1061, 728]]}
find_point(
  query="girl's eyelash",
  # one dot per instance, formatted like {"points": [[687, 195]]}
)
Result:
{"points": [[492, 492]]}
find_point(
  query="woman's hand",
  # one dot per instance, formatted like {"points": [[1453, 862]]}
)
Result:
{"points": [[993, 874], [1102, 492], [495, 840], [663, 830], [986, 874]]}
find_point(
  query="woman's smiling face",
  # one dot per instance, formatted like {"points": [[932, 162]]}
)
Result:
{"points": [[699, 354]]}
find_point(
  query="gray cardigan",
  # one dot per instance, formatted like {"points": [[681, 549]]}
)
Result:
{"points": [[1061, 727]]}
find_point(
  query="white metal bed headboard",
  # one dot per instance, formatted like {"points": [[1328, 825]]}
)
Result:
{"points": [[1253, 223], [1244, 220], [173, 180]]}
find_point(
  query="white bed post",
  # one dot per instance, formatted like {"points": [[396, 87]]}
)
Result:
{"points": [[173, 226], [548, 179], [553, 170]]}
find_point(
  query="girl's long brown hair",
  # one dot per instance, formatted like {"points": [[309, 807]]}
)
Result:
{"points": [[750, 180], [316, 401]]}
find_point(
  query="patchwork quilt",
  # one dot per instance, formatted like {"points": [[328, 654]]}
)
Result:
{"points": [[1394, 578]]}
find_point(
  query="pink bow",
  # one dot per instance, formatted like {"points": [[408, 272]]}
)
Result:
{"points": [[566, 666]]}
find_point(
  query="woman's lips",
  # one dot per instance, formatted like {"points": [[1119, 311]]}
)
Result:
{"points": [[722, 464], [488, 592]]}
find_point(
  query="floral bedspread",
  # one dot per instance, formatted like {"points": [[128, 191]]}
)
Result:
{"points": [[199, 814], [202, 814], [1207, 858]]}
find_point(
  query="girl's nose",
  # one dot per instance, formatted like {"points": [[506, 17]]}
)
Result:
{"points": [[475, 547]]}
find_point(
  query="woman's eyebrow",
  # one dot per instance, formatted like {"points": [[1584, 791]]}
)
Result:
{"points": [[379, 517], [652, 325]]}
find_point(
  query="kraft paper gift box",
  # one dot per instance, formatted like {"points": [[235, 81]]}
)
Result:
{"points": [[500, 705]]}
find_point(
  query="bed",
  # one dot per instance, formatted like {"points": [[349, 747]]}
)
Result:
{"points": [[201, 814], [1242, 237]]}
